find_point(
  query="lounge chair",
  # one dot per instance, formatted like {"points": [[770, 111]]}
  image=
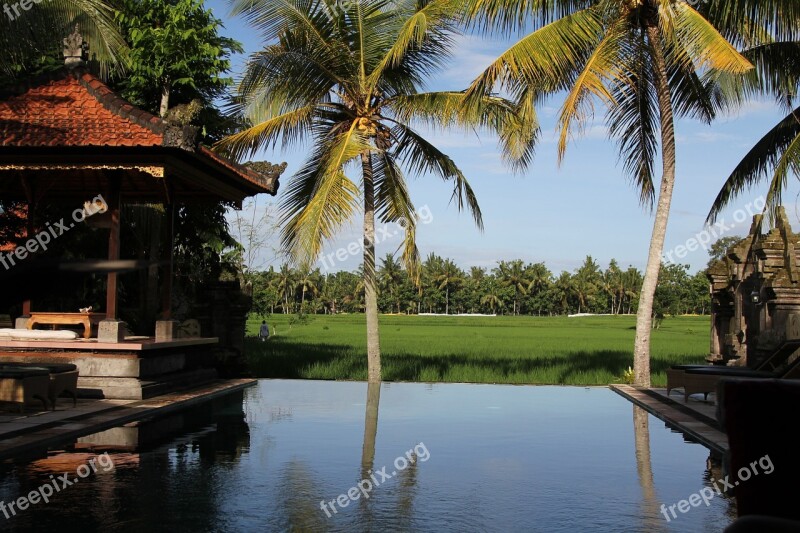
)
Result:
{"points": [[22, 385], [63, 379], [775, 362], [705, 380]]}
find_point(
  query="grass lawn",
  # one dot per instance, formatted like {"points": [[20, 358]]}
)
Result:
{"points": [[537, 350]]}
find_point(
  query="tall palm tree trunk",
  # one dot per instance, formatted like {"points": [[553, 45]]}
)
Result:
{"points": [[370, 285], [644, 316]]}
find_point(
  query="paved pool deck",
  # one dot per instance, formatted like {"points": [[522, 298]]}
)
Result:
{"points": [[32, 431], [696, 418]]}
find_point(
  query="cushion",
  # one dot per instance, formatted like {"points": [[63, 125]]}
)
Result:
{"points": [[38, 334], [19, 373], [52, 368]]}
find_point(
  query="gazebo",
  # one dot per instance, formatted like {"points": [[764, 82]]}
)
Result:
{"points": [[66, 137]]}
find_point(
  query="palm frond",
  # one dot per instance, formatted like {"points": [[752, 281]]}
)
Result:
{"points": [[761, 163], [393, 203], [602, 69], [422, 157], [319, 200], [634, 122], [703, 43], [284, 127], [546, 58]]}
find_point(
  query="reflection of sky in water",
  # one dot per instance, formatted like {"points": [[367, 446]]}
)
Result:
{"points": [[502, 458]]}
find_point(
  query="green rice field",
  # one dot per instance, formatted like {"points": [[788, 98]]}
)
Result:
{"points": [[516, 350]]}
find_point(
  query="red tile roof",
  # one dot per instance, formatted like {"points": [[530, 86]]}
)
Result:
{"points": [[75, 111]]}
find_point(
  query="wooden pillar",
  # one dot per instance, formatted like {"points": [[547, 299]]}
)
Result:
{"points": [[169, 271], [113, 248], [30, 229]]}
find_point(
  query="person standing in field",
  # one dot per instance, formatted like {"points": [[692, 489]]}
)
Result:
{"points": [[263, 333]]}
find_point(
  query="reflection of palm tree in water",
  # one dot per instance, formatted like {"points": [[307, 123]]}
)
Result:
{"points": [[368, 448], [406, 479], [651, 517]]}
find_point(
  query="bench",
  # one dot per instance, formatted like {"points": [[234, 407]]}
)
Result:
{"points": [[87, 320], [63, 379], [22, 385]]}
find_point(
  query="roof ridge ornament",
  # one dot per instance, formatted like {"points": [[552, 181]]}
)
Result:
{"points": [[74, 48]]}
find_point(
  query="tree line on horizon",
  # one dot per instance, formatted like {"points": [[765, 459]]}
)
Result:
{"points": [[511, 288]]}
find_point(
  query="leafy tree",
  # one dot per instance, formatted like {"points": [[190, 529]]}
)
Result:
{"points": [[175, 48], [719, 249], [646, 61], [349, 76]]}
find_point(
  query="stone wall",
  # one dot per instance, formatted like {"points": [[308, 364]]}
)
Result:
{"points": [[755, 294]]}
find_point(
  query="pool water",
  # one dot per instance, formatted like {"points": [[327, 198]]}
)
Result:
{"points": [[336, 456]]}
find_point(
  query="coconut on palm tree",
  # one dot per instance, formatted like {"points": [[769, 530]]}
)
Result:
{"points": [[646, 61], [349, 77]]}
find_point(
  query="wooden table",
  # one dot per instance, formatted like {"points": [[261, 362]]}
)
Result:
{"points": [[87, 320]]}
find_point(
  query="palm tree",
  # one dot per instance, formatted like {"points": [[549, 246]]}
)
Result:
{"points": [[586, 281], [390, 276], [492, 297], [308, 282], [449, 277], [513, 274], [348, 75], [284, 283], [645, 60], [540, 277], [28, 35]]}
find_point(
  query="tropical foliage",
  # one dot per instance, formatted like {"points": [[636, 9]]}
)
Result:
{"points": [[349, 77]]}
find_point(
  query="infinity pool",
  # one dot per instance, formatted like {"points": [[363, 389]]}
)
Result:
{"points": [[331, 456]]}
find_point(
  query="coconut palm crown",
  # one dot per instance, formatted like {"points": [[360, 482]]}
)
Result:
{"points": [[645, 61], [348, 77]]}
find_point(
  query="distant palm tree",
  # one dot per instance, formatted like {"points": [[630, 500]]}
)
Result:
{"points": [[390, 277], [586, 282], [348, 76], [540, 278], [309, 281], [513, 274], [284, 283], [448, 278], [492, 298], [645, 60]]}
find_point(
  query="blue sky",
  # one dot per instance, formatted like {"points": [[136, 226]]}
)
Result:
{"points": [[556, 214]]}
